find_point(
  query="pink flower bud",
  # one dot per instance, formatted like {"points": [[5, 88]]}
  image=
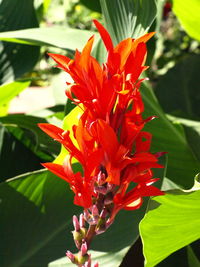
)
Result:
{"points": [[70, 256], [84, 248], [88, 262], [86, 214], [76, 223], [81, 220], [95, 211]]}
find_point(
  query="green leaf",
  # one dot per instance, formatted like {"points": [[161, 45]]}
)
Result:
{"points": [[46, 4], [93, 5], [192, 258], [171, 223], [42, 145], [192, 132], [170, 137], [188, 12], [15, 157], [62, 37], [9, 91], [178, 90], [36, 209], [129, 18], [16, 59]]}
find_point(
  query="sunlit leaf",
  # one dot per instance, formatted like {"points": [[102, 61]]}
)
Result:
{"points": [[188, 12], [16, 59], [178, 90], [170, 137], [9, 91], [129, 18], [53, 36], [172, 222]]}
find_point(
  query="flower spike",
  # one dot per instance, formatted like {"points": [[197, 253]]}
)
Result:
{"points": [[108, 140]]}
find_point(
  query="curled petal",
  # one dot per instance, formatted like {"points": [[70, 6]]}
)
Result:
{"points": [[57, 169], [61, 60], [104, 35], [52, 130]]}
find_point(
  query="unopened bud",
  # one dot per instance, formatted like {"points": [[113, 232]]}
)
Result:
{"points": [[95, 211], [84, 248], [82, 259], [81, 220], [76, 223], [101, 226], [86, 214], [88, 262], [70, 256], [79, 235]]}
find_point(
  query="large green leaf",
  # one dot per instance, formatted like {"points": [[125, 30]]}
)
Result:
{"points": [[93, 5], [41, 144], [171, 223], [188, 12], [178, 90], [128, 18], [192, 258], [15, 157], [9, 91], [170, 137], [36, 209], [192, 132], [62, 37], [16, 59]]}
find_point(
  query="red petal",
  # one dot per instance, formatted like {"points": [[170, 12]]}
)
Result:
{"points": [[148, 191], [57, 169], [106, 137], [144, 38], [52, 130], [94, 161], [123, 49], [143, 157], [85, 55], [104, 35], [61, 60], [143, 142]]}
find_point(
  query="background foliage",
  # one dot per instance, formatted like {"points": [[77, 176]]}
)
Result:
{"points": [[35, 206]]}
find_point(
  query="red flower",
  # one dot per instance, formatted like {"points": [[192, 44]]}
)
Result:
{"points": [[110, 144]]}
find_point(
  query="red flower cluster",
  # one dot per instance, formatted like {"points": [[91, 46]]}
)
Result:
{"points": [[110, 144]]}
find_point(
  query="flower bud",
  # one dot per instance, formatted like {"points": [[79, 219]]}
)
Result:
{"points": [[76, 223], [70, 256], [84, 248]]}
